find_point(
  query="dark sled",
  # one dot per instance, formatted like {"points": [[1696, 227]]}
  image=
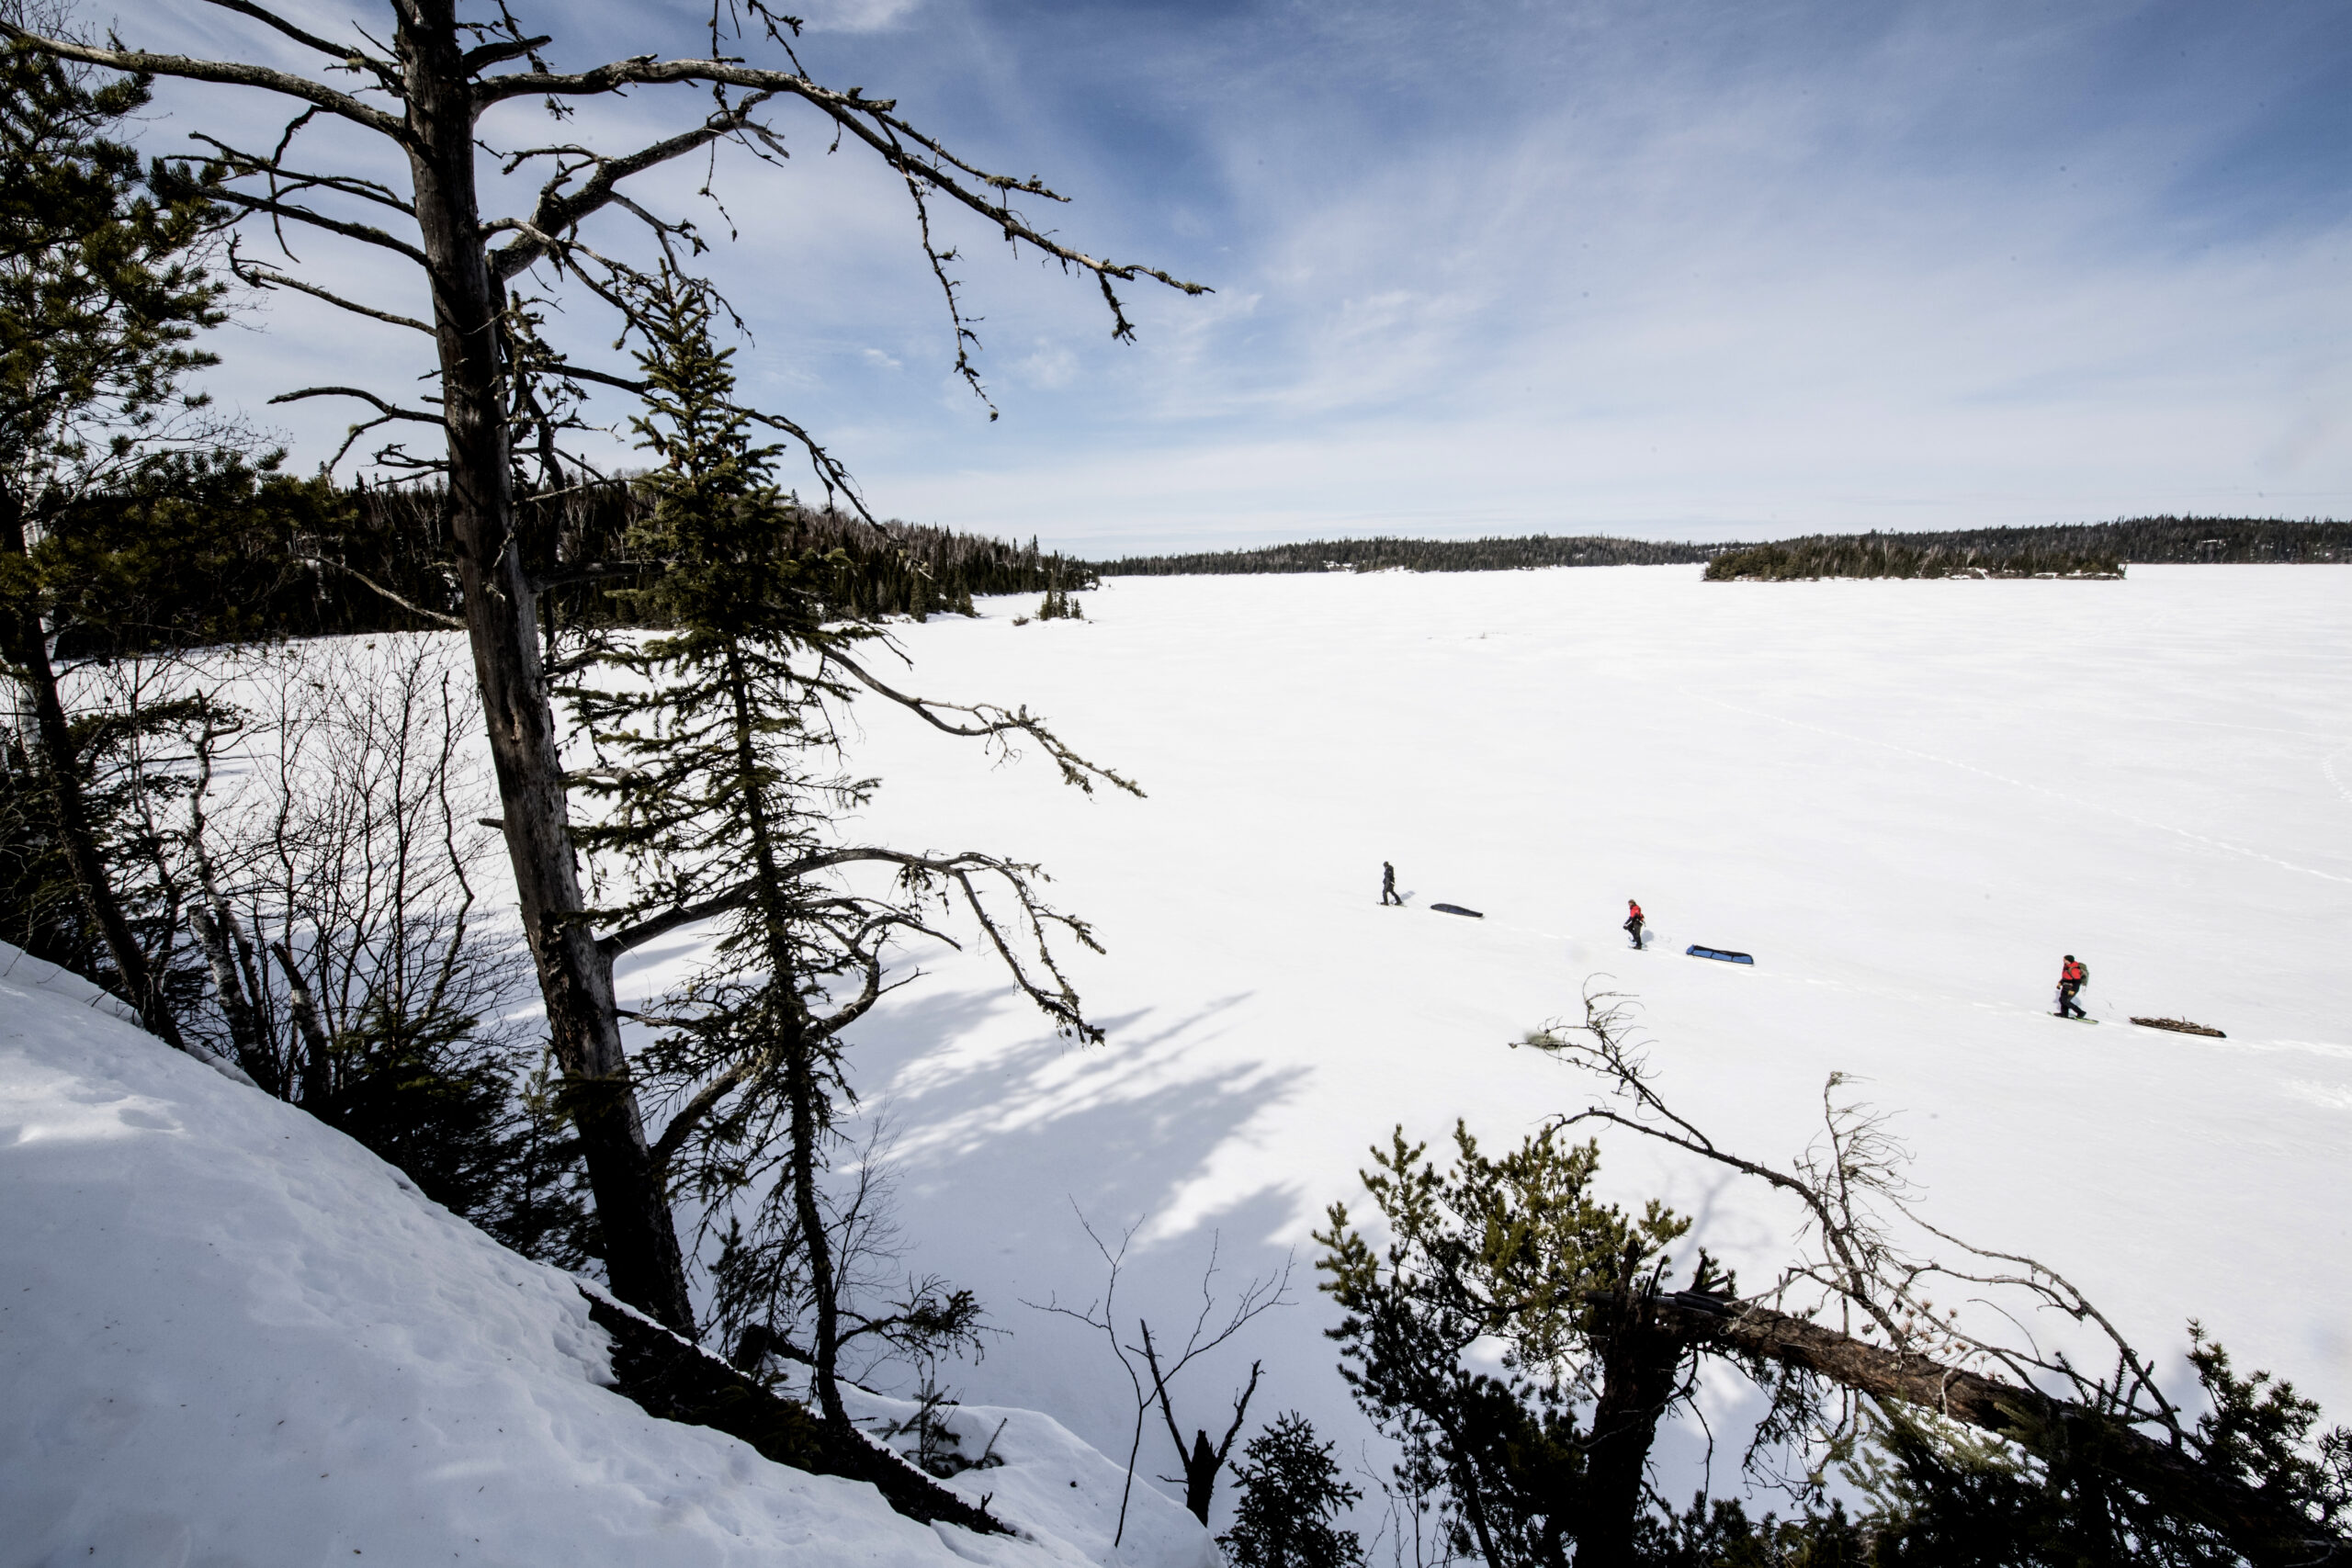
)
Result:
{"points": [[1695, 951], [1456, 910], [2179, 1026]]}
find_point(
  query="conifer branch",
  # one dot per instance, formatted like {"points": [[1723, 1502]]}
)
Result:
{"points": [[736, 895], [987, 722]]}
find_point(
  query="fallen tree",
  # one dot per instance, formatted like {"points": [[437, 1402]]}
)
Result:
{"points": [[2247, 1475], [1517, 1336], [2188, 1478]]}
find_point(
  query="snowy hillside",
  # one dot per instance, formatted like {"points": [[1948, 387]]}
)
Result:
{"points": [[1906, 799], [228, 1334]]}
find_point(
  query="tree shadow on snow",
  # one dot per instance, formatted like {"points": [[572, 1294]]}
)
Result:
{"points": [[1005, 1137]]}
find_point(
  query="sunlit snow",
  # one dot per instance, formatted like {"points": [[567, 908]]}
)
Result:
{"points": [[1908, 800]]}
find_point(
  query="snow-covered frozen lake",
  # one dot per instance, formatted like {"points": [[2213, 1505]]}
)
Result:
{"points": [[1906, 799]]}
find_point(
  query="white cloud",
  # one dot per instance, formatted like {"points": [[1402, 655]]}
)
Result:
{"points": [[1665, 270], [1050, 364], [853, 15]]}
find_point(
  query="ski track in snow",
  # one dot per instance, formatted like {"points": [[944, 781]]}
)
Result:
{"points": [[2327, 766], [2335, 1097]]}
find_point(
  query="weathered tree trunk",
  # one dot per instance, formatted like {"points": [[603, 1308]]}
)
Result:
{"points": [[318, 1057], [53, 742], [1201, 1466], [633, 1216], [1203, 1460], [796, 1046], [1641, 1359], [216, 932], [2264, 1531]]}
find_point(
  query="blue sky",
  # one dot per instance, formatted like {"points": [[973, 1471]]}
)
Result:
{"points": [[1700, 269]]}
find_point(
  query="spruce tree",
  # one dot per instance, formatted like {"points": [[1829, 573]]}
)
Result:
{"points": [[712, 728], [1550, 1448], [719, 783], [1290, 1497]]}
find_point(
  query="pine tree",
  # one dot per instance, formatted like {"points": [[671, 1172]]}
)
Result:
{"points": [[1550, 1448], [103, 288], [720, 787], [1290, 1497]]}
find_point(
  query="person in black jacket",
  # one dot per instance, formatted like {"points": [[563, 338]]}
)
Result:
{"points": [[1388, 885], [2071, 981]]}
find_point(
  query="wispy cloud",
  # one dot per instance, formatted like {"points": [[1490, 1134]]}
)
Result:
{"points": [[1686, 269]]}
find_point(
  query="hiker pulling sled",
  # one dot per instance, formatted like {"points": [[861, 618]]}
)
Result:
{"points": [[1633, 924], [2070, 981], [1388, 885]]}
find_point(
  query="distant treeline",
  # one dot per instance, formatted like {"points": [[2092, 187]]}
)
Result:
{"points": [[1908, 555], [2089, 549], [2084, 549], [238, 553], [2172, 541], [1412, 555]]}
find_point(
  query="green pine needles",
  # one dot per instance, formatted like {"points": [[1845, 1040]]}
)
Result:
{"points": [[1290, 1495], [719, 780], [1546, 1450]]}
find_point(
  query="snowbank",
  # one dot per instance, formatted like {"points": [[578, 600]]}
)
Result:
{"points": [[229, 1333]]}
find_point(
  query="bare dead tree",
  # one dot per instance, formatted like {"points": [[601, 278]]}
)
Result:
{"points": [[434, 94], [1148, 1378], [1203, 1462], [334, 858]]}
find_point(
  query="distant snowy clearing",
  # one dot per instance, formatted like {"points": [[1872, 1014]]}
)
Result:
{"points": [[1908, 800]]}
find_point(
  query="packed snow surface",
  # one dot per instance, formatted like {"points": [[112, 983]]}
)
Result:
{"points": [[1908, 800], [230, 1335]]}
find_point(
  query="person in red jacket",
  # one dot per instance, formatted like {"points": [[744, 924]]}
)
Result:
{"points": [[2071, 981], [1634, 922]]}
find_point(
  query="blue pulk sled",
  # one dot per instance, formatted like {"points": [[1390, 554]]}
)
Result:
{"points": [[1695, 951], [1457, 909]]}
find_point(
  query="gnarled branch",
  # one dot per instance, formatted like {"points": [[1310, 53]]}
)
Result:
{"points": [[987, 721], [2266, 1531], [319, 563], [234, 73], [258, 276]]}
